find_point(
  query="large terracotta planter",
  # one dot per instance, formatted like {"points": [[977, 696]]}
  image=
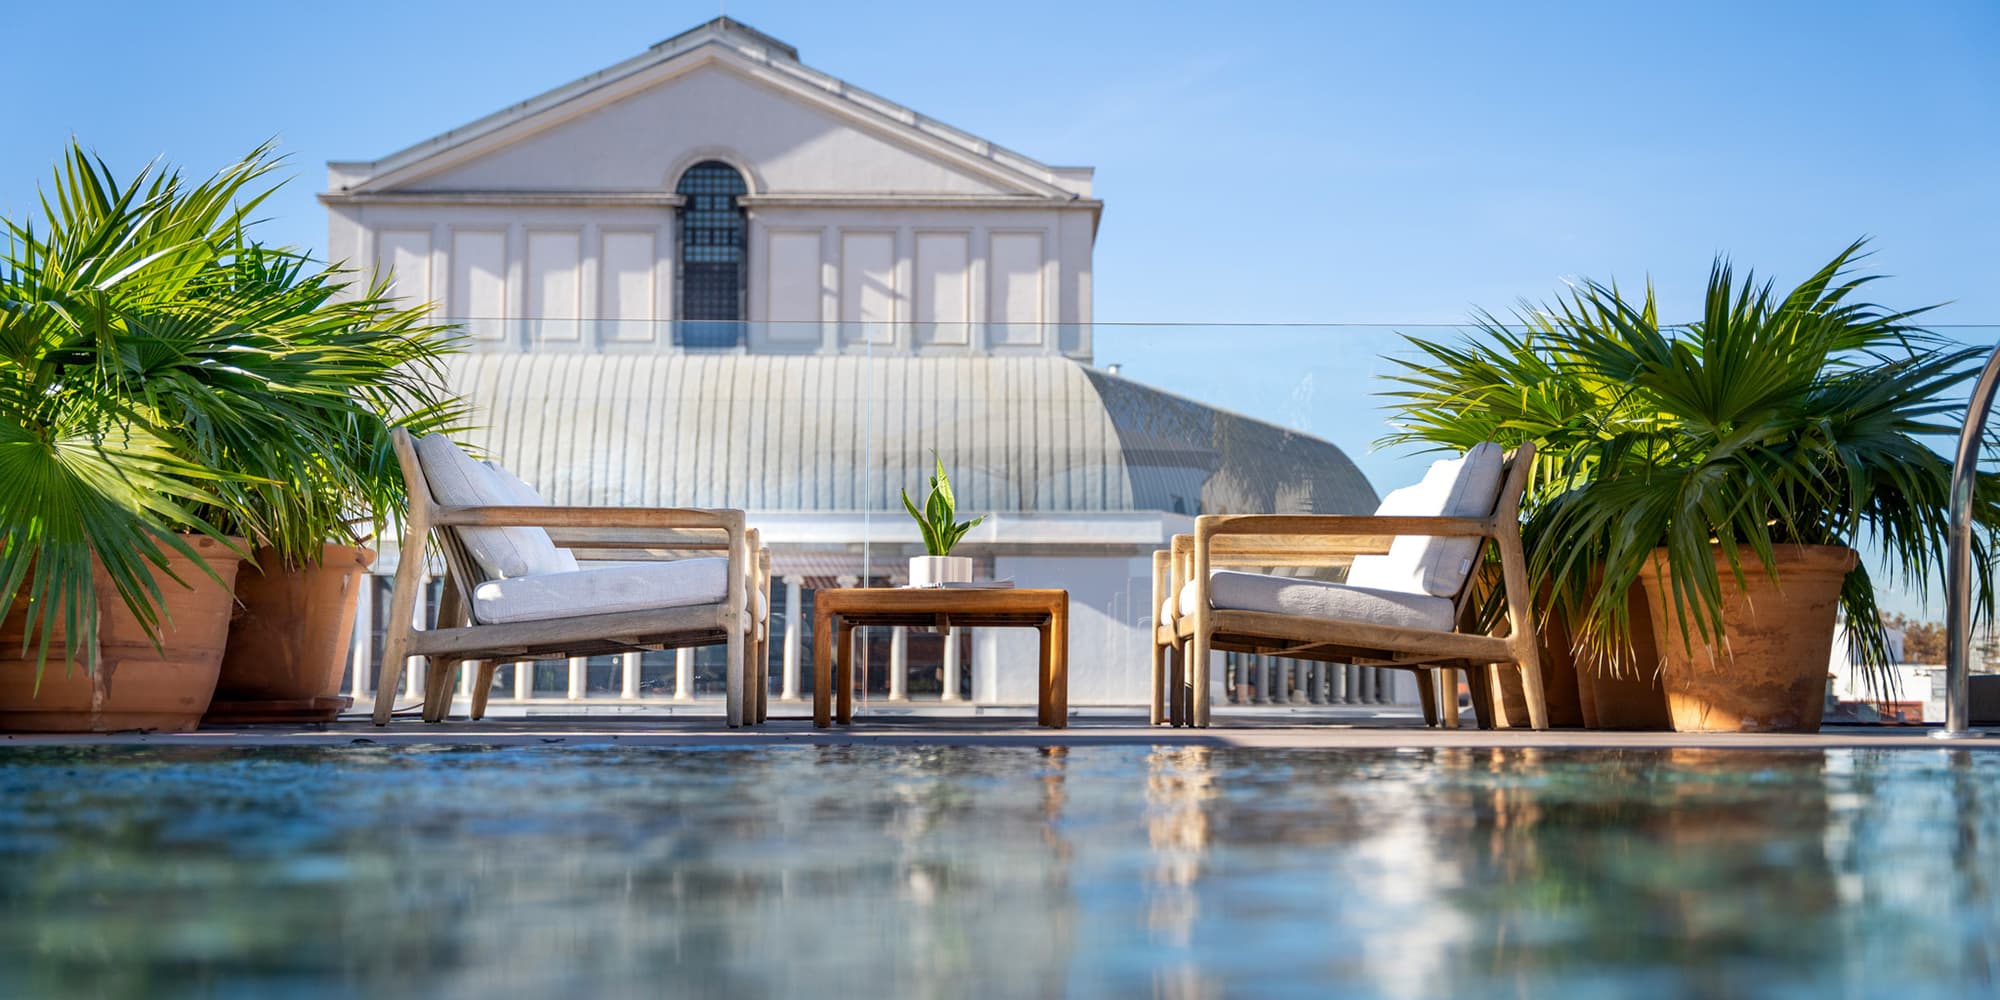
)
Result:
{"points": [[1582, 691], [289, 642], [1768, 674], [1633, 697], [135, 686]]}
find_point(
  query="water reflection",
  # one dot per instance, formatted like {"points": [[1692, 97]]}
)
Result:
{"points": [[1170, 872]]}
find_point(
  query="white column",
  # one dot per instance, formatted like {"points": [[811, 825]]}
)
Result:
{"points": [[794, 635], [629, 686], [899, 663], [362, 653], [524, 680], [415, 671], [579, 672], [951, 664], [684, 674]]}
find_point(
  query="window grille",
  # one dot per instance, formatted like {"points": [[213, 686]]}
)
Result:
{"points": [[713, 237]]}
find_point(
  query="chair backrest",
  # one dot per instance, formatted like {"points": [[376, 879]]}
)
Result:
{"points": [[455, 479], [458, 562], [1467, 486], [521, 494]]}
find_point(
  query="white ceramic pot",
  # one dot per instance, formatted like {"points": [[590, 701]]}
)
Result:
{"points": [[929, 571]]}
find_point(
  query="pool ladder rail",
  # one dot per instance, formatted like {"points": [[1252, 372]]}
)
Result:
{"points": [[1958, 565]]}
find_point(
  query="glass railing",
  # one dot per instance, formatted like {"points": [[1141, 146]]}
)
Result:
{"points": [[1084, 447]]}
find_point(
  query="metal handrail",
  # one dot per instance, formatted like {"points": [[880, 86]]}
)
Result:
{"points": [[1958, 566]]}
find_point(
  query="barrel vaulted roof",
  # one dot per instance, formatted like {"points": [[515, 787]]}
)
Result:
{"points": [[804, 433]]}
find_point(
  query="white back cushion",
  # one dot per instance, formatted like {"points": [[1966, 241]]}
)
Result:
{"points": [[457, 480], [524, 495], [1466, 486]]}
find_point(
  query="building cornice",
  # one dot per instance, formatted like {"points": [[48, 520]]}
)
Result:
{"points": [[622, 199], [917, 201]]}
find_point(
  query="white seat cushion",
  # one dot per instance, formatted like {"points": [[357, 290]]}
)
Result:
{"points": [[457, 480], [1166, 612], [1237, 591], [1467, 486], [525, 495], [647, 586]]}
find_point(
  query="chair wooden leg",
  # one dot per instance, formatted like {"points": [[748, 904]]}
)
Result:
{"points": [[1198, 681], [1447, 695], [1427, 695], [734, 680], [1159, 678], [482, 685], [1485, 699], [440, 673], [763, 657], [1496, 692], [1531, 688], [1177, 689]]}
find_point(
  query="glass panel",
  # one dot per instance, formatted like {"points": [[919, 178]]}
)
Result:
{"points": [[1084, 447]]}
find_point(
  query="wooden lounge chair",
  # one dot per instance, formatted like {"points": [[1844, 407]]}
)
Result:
{"points": [[1408, 601], [511, 594]]}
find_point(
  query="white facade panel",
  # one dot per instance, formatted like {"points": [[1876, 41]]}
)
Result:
{"points": [[943, 299], [868, 286], [404, 255], [478, 292], [554, 259], [1015, 263], [793, 282], [630, 293]]}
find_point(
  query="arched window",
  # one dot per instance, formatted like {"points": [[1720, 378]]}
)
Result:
{"points": [[713, 237]]}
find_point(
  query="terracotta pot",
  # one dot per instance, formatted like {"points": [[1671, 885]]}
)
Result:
{"points": [[290, 638], [1632, 700], [135, 686], [1559, 680], [1769, 674]]}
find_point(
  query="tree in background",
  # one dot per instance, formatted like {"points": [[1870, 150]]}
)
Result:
{"points": [[1923, 642]]}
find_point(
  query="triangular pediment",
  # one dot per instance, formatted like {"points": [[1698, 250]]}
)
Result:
{"points": [[711, 94]]}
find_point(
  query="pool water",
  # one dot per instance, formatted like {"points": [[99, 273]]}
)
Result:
{"points": [[842, 871]]}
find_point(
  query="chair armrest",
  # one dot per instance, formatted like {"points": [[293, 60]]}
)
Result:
{"points": [[589, 517], [1297, 528]]}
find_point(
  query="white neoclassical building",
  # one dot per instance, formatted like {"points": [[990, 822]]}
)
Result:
{"points": [[715, 178], [710, 275]]}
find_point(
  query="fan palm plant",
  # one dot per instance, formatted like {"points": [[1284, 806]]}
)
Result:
{"points": [[163, 375], [1793, 419]]}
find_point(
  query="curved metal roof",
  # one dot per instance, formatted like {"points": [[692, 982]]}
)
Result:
{"points": [[815, 433]]}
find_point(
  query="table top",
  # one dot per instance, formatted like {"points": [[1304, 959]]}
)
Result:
{"points": [[966, 605]]}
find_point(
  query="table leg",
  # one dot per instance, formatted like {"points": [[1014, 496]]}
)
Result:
{"points": [[1044, 670], [844, 683], [1059, 666], [822, 669]]}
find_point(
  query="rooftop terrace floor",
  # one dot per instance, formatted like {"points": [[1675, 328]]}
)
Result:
{"points": [[1277, 729]]}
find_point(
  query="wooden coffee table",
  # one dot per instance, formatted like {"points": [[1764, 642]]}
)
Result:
{"points": [[838, 612]]}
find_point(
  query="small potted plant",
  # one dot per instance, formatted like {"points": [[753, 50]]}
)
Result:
{"points": [[941, 529]]}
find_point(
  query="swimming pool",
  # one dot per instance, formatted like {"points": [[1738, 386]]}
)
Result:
{"points": [[834, 871]]}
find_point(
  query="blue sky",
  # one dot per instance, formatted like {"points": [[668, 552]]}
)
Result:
{"points": [[1316, 162], [1319, 163]]}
